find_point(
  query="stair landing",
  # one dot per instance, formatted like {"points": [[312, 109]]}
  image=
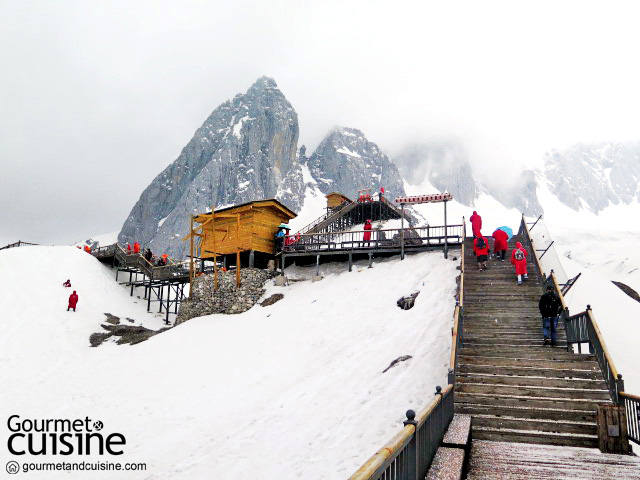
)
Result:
{"points": [[515, 461]]}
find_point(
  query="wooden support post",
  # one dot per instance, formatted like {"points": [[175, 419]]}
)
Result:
{"points": [[370, 259], [191, 255], [149, 296], [131, 295], [215, 272], [166, 319], [401, 233], [446, 245], [317, 265], [238, 269], [612, 429], [350, 261], [252, 255], [282, 263]]}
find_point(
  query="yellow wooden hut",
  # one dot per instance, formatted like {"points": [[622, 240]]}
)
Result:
{"points": [[335, 199], [247, 228]]}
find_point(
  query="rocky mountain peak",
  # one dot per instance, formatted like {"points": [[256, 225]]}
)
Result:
{"points": [[346, 161]]}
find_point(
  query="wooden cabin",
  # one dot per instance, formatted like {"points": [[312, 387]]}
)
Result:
{"points": [[249, 227], [335, 199]]}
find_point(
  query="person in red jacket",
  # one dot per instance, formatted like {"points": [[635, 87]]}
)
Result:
{"points": [[73, 301], [128, 248], [87, 248], [500, 243], [519, 260], [481, 251], [476, 224], [136, 247], [366, 237]]}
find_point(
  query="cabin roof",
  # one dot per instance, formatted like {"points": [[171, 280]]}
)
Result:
{"points": [[338, 194], [271, 202]]}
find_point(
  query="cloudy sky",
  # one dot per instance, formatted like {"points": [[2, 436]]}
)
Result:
{"points": [[96, 98]]}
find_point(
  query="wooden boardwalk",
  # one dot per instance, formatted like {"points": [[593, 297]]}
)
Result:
{"points": [[516, 389], [515, 461]]}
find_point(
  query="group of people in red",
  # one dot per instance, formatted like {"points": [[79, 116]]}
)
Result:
{"points": [[73, 298], [148, 254], [500, 245]]}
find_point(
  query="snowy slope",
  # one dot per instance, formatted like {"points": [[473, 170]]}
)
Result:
{"points": [[294, 390], [618, 317]]}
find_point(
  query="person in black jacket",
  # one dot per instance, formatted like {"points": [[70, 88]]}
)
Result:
{"points": [[550, 307]]}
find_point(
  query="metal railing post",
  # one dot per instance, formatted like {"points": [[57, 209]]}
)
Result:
{"points": [[412, 447]]}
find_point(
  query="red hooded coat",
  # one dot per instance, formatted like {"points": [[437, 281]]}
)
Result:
{"points": [[501, 238], [136, 247], [521, 265], [73, 300], [367, 234], [476, 224], [480, 251]]}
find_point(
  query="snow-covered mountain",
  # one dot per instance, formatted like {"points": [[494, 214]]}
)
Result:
{"points": [[594, 176], [248, 149]]}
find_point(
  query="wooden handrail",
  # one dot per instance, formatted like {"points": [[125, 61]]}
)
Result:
{"points": [[454, 338], [614, 370], [558, 290], [461, 293], [397, 443], [628, 395], [535, 254]]}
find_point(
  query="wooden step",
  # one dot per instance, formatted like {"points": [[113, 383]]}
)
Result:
{"points": [[528, 402], [530, 371], [537, 392], [528, 436], [534, 341], [531, 381], [525, 412], [527, 362], [535, 352], [540, 425]]}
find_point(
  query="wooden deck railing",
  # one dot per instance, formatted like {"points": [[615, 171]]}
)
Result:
{"points": [[19, 243], [380, 239], [583, 328]]}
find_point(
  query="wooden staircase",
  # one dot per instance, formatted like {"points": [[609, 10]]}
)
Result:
{"points": [[516, 389]]}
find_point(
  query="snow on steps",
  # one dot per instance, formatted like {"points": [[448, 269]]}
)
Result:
{"points": [[520, 461]]}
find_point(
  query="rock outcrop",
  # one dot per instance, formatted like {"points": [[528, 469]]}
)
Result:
{"points": [[346, 161], [203, 300], [593, 176], [244, 151]]}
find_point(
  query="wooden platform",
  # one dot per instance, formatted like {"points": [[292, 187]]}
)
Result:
{"points": [[516, 389], [515, 461]]}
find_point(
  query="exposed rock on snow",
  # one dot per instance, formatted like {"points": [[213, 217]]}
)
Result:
{"points": [[128, 334], [403, 358], [272, 299]]}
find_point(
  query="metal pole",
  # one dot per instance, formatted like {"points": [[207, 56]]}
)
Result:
{"points": [[446, 245], [402, 233], [317, 265]]}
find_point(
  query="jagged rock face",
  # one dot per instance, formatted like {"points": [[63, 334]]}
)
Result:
{"points": [[244, 151], [594, 176], [345, 161], [444, 164]]}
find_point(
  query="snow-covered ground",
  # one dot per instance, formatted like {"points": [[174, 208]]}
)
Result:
{"points": [[293, 390]]}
